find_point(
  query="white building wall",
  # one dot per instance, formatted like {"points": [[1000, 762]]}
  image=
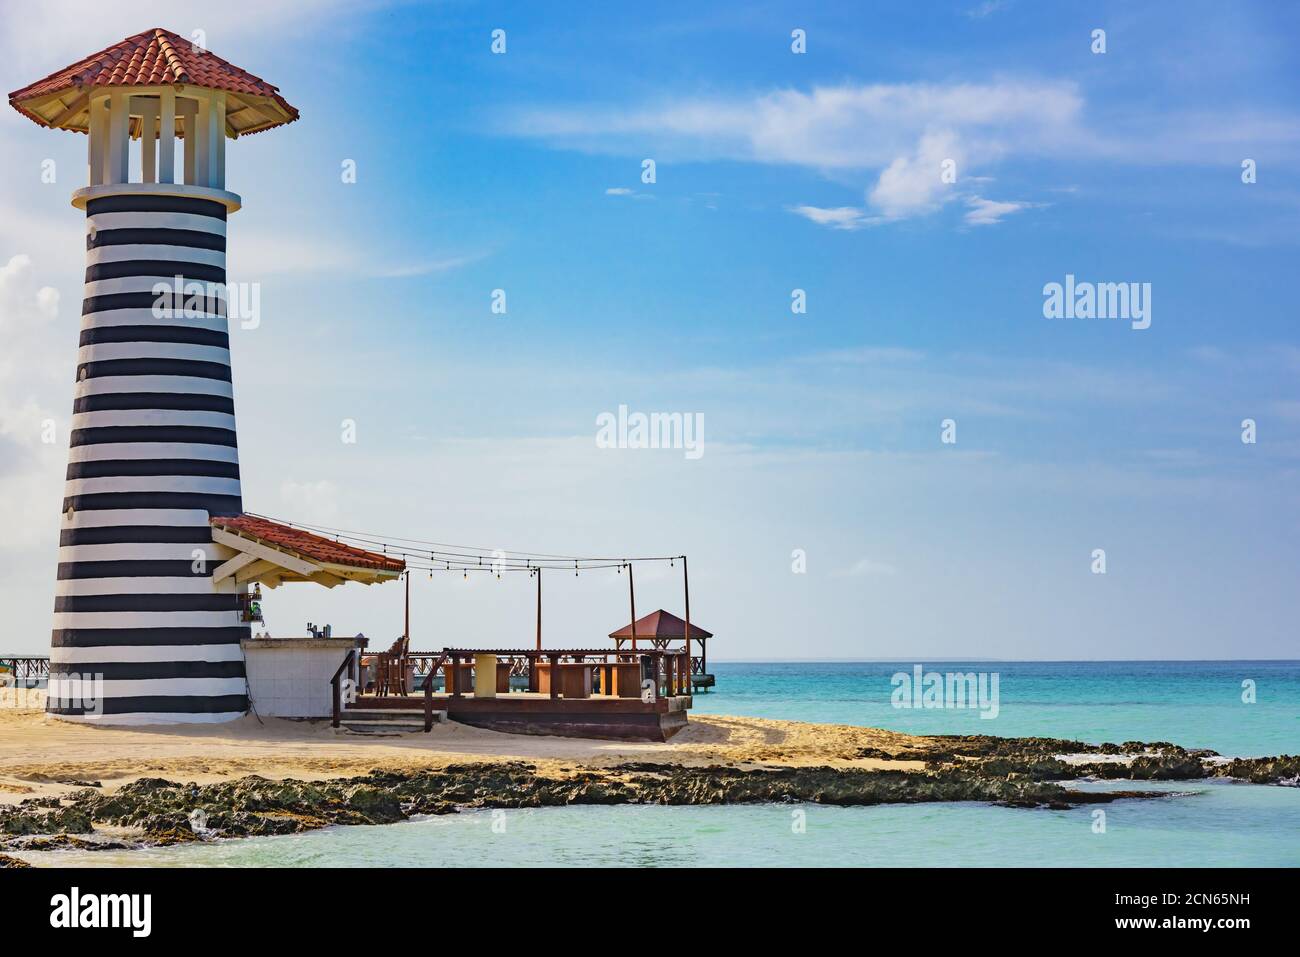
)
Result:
{"points": [[290, 677]]}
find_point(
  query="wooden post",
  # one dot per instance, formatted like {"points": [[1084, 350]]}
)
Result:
{"points": [[406, 630], [555, 676], [455, 676], [631, 596], [334, 692], [686, 588], [539, 609], [428, 702]]}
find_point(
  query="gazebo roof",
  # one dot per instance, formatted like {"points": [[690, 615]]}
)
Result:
{"points": [[155, 57], [662, 625]]}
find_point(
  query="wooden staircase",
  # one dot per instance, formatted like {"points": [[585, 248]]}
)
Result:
{"points": [[385, 721]]}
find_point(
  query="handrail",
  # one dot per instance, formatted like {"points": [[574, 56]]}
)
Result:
{"points": [[334, 684], [428, 695]]}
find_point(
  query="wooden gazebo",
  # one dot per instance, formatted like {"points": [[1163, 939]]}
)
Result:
{"points": [[659, 630]]}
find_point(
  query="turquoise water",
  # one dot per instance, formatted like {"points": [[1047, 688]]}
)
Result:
{"points": [[1192, 703], [1216, 824], [1204, 823]]}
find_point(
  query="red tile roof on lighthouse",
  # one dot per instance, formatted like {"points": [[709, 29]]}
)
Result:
{"points": [[155, 57], [312, 547]]}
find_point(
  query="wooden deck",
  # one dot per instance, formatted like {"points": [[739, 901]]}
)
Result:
{"points": [[642, 696], [523, 712]]}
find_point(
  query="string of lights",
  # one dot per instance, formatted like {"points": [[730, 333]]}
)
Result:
{"points": [[448, 557]]}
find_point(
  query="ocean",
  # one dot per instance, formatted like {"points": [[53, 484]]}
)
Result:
{"points": [[1203, 823], [1192, 703]]}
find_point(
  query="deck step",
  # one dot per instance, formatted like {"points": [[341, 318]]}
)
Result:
{"points": [[379, 731], [386, 720], [384, 727], [388, 714]]}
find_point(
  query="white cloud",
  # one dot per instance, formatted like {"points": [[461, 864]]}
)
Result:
{"points": [[47, 301], [865, 567], [839, 217], [988, 8], [259, 254], [315, 502], [914, 184], [852, 126], [20, 299], [424, 267], [863, 355], [905, 130], [987, 212], [35, 380]]}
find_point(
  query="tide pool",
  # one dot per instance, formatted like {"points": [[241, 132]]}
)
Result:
{"points": [[1208, 824]]}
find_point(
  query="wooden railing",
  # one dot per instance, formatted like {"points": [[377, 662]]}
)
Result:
{"points": [[425, 663], [671, 670], [336, 684], [26, 668], [433, 668], [672, 674]]}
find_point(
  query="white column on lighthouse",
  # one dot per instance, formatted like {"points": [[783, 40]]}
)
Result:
{"points": [[167, 137], [148, 139], [190, 111]]}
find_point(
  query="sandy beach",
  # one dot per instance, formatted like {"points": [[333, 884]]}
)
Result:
{"points": [[40, 755], [97, 788]]}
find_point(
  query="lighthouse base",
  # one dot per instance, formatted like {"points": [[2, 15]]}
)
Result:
{"points": [[148, 718]]}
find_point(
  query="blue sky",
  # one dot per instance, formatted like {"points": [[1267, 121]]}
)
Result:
{"points": [[775, 172]]}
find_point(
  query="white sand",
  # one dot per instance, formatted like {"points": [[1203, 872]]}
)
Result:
{"points": [[43, 755]]}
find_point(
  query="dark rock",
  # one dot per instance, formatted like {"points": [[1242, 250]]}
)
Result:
{"points": [[64, 842], [35, 802], [146, 786], [378, 805], [1284, 769]]}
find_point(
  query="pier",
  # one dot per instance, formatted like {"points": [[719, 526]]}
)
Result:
{"points": [[24, 671]]}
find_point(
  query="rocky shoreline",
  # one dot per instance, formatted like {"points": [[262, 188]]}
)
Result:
{"points": [[1012, 772]]}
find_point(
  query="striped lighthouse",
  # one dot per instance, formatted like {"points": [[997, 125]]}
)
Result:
{"points": [[143, 632]]}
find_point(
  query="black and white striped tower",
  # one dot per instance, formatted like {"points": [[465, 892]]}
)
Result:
{"points": [[142, 634]]}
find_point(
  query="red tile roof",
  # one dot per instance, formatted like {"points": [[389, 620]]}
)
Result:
{"points": [[306, 545], [663, 625], [153, 58]]}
